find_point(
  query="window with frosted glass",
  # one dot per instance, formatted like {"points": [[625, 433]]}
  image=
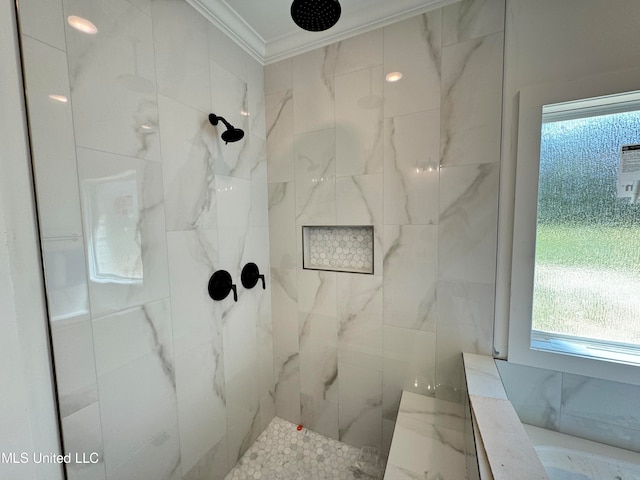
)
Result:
{"points": [[587, 263]]}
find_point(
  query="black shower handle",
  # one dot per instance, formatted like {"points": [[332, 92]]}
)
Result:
{"points": [[250, 275], [220, 284]]}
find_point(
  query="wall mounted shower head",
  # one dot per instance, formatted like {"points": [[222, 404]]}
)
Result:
{"points": [[315, 15], [231, 134]]}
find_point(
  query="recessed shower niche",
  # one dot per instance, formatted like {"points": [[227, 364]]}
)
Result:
{"points": [[338, 248]]}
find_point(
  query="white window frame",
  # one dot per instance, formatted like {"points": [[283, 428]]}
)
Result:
{"points": [[531, 102]]}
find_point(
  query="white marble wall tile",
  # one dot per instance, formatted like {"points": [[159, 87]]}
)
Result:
{"points": [[279, 124], [358, 119], [53, 149], [202, 408], [229, 99], [469, 19], [411, 153], [472, 101], [408, 364], [214, 465], [468, 223], [284, 295], [65, 273], [467, 305], [181, 49], [122, 199], [361, 51], [188, 143], [240, 348], [256, 99], [112, 77], [286, 350], [360, 401], [359, 202], [410, 275], [233, 202], [266, 372], [256, 250], [233, 244], [259, 189], [584, 397], [143, 5], [388, 426], [359, 320], [287, 390], [256, 152], [127, 425], [317, 292], [319, 415], [160, 458], [314, 90], [226, 52], [243, 416], [43, 20], [128, 335], [74, 357], [82, 434], [534, 393], [193, 258], [319, 356], [278, 76], [282, 240], [315, 178], [412, 47], [602, 432], [468, 328]]}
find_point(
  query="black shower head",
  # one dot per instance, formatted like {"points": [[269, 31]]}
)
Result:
{"points": [[232, 134], [315, 15]]}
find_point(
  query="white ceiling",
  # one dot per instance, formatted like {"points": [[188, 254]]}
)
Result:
{"points": [[265, 28]]}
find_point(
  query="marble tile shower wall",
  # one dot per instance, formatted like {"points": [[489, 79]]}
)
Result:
{"points": [[140, 202], [419, 160], [599, 410]]}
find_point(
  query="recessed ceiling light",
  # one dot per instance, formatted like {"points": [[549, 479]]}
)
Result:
{"points": [[82, 24], [393, 76], [59, 98]]}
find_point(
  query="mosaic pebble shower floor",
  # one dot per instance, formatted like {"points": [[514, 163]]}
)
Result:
{"points": [[283, 453]]}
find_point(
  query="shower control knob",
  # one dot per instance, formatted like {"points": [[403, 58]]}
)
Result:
{"points": [[220, 284], [250, 275]]}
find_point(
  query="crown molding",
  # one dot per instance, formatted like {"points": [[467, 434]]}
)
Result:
{"points": [[366, 20], [220, 14]]}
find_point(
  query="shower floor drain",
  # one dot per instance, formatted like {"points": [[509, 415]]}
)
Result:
{"points": [[283, 453]]}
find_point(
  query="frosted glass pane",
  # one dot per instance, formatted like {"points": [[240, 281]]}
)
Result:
{"points": [[587, 265]]}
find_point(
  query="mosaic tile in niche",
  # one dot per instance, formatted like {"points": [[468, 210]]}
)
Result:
{"points": [[338, 248]]}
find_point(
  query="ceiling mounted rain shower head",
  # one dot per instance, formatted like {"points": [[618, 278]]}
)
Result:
{"points": [[231, 134], [315, 15]]}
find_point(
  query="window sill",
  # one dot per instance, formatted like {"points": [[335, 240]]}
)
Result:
{"points": [[585, 348]]}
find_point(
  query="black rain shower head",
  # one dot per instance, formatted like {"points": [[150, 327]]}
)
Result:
{"points": [[231, 134], [315, 15]]}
